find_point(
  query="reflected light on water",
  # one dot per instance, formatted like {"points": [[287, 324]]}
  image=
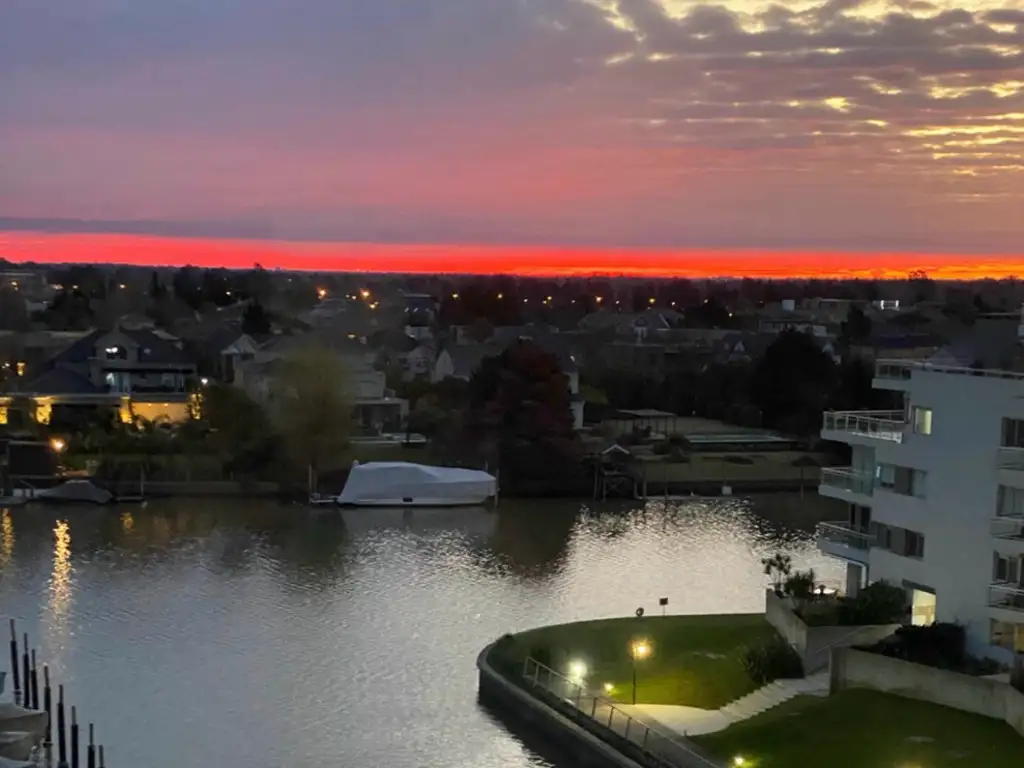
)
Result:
{"points": [[127, 522], [6, 538], [60, 577]]}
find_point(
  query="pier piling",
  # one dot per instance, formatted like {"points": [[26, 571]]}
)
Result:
{"points": [[103, 763], [62, 742], [15, 674], [90, 753], [35, 681], [48, 706], [74, 737], [25, 672]]}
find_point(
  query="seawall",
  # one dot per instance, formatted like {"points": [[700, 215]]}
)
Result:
{"points": [[513, 702]]}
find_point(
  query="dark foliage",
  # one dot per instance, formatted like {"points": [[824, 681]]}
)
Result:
{"points": [[774, 660], [941, 645], [792, 383], [519, 414], [877, 603]]}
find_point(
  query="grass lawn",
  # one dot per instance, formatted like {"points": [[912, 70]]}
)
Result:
{"points": [[694, 660], [866, 729]]}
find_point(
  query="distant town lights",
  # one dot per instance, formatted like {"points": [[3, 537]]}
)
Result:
{"points": [[321, 293], [364, 293], [455, 296]]}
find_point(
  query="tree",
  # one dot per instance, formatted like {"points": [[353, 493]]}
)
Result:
{"points": [[520, 414], [480, 330], [157, 290], [237, 428], [856, 327], [792, 383], [13, 314], [255, 321], [310, 408]]}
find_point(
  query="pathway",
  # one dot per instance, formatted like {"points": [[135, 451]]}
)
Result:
{"points": [[691, 721]]}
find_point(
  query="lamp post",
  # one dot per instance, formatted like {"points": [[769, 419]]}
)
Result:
{"points": [[638, 651]]}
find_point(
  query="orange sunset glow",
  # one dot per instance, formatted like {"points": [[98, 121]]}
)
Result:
{"points": [[487, 259]]}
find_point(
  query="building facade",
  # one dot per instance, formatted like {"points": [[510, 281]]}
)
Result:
{"points": [[936, 498]]}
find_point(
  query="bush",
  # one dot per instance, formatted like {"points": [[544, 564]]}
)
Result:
{"points": [[774, 660], [799, 586], [878, 603], [941, 645]]}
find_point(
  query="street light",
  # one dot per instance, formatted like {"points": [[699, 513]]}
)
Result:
{"points": [[58, 445], [638, 651]]}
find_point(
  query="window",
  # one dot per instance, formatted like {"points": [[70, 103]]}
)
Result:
{"points": [[913, 544], [1013, 433], [1010, 502], [1007, 569], [902, 480], [922, 420], [1007, 635]]}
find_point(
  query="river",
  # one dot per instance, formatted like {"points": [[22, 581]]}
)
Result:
{"points": [[211, 633]]}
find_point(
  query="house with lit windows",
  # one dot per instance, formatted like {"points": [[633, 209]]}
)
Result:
{"points": [[935, 488], [140, 372]]}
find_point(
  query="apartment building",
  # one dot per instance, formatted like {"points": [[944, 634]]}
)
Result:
{"points": [[936, 497]]}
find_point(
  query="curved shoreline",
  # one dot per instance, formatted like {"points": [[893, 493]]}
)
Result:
{"points": [[504, 696]]}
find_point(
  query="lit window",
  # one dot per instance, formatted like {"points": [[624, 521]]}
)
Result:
{"points": [[20, 368], [922, 420]]}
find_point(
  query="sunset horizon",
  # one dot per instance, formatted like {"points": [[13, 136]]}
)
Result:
{"points": [[527, 260]]}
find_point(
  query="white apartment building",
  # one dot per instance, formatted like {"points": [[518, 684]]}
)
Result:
{"points": [[936, 498]]}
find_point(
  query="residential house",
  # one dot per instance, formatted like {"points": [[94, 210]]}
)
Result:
{"points": [[641, 326], [935, 489], [786, 317], [219, 348], [140, 372]]}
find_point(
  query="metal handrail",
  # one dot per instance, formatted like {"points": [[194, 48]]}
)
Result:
{"points": [[848, 479], [1009, 595], [841, 532], [1006, 527], [652, 742], [902, 369], [884, 425]]}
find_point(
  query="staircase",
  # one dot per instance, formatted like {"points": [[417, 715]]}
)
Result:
{"points": [[774, 694]]}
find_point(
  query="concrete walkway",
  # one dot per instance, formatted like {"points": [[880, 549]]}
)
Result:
{"points": [[692, 721]]}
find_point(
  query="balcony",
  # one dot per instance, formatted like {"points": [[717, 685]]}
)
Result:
{"points": [[1009, 532], [1010, 457], [873, 425], [845, 482], [842, 540], [1008, 596]]}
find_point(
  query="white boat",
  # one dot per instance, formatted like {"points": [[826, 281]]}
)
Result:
{"points": [[404, 484], [74, 492]]}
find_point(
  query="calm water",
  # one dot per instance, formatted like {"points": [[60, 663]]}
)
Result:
{"points": [[221, 634]]}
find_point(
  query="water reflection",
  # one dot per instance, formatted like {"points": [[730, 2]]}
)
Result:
{"points": [[228, 634], [6, 538]]}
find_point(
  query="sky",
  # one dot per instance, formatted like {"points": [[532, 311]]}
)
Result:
{"points": [[657, 126]]}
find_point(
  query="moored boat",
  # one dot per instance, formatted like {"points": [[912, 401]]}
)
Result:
{"points": [[404, 484]]}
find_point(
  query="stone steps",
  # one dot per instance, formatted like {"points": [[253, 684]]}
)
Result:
{"points": [[773, 694]]}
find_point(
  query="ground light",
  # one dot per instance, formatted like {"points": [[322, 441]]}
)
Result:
{"points": [[577, 671], [609, 688], [58, 445], [739, 761]]}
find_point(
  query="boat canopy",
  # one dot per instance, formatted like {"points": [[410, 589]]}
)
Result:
{"points": [[377, 480]]}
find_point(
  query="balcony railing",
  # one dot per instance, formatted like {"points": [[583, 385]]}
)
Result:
{"points": [[1009, 457], [1006, 595], [882, 425], [1008, 527], [848, 479], [843, 533], [902, 370]]}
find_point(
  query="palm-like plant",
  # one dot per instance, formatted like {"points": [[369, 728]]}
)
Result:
{"points": [[777, 567]]}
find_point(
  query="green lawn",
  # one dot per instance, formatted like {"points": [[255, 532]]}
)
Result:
{"points": [[694, 660], [865, 729]]}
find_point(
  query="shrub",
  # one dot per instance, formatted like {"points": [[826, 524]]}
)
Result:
{"points": [[773, 660], [799, 586], [878, 603], [941, 645]]}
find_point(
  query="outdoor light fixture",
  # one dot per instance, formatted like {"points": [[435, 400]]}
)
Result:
{"points": [[58, 445], [739, 761], [577, 671], [608, 688], [638, 651]]}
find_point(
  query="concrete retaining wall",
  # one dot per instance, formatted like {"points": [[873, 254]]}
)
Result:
{"points": [[982, 696], [815, 643], [587, 749]]}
